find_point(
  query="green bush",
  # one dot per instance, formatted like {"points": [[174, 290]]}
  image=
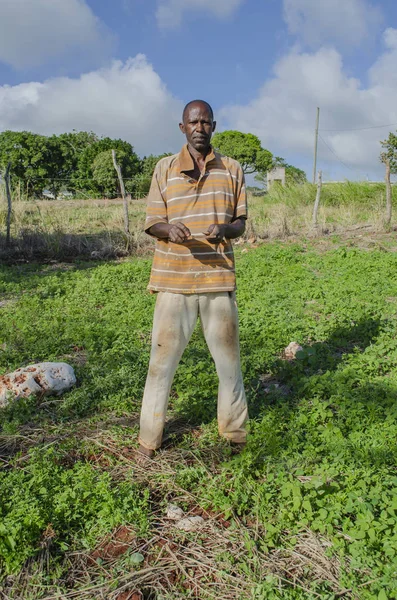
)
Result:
{"points": [[78, 503]]}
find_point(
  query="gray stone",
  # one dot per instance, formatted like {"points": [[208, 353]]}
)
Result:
{"points": [[190, 523], [174, 512], [291, 350], [42, 379]]}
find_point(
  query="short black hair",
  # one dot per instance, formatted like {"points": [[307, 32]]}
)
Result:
{"points": [[188, 105]]}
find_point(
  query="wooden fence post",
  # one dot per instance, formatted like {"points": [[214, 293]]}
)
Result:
{"points": [[9, 204], [123, 194], [317, 201], [388, 194]]}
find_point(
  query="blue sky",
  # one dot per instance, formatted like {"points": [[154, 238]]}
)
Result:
{"points": [[125, 68]]}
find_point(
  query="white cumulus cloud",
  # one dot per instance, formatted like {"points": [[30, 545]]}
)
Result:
{"points": [[170, 12], [318, 22], [283, 113], [35, 32], [126, 100]]}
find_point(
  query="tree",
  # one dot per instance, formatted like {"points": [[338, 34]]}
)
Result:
{"points": [[105, 176], [41, 162], [389, 159], [390, 152], [246, 148], [84, 177], [65, 162], [32, 157], [294, 175], [71, 145]]}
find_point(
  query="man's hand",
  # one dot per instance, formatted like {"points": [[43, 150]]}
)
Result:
{"points": [[216, 233], [178, 233]]}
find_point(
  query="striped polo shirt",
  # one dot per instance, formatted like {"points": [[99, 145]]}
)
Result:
{"points": [[219, 197]]}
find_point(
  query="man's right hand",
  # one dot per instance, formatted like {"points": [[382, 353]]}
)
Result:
{"points": [[178, 233]]}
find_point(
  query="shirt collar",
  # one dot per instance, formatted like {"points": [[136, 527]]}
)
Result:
{"points": [[186, 161]]}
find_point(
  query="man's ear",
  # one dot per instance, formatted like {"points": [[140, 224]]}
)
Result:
{"points": [[213, 126], [182, 127]]}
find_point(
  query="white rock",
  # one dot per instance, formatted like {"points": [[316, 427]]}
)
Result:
{"points": [[291, 350], [42, 379], [174, 512], [190, 523]]}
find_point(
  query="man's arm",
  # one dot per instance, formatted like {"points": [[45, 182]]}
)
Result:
{"points": [[216, 233], [177, 233]]}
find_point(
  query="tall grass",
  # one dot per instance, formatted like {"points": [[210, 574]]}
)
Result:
{"points": [[69, 229], [72, 229], [288, 210], [349, 193]]}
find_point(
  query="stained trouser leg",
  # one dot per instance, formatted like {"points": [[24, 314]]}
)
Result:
{"points": [[219, 319], [175, 316]]}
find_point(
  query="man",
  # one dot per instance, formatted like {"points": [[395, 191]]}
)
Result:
{"points": [[196, 205]]}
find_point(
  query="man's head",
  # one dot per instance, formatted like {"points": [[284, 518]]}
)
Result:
{"points": [[198, 124]]}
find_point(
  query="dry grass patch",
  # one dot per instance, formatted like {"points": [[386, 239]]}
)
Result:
{"points": [[69, 229]]}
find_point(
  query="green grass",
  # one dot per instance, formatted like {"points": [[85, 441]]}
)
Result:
{"points": [[349, 193], [321, 458]]}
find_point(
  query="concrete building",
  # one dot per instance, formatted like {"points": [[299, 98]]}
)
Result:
{"points": [[276, 175]]}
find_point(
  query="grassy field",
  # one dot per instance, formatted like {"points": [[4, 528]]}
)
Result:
{"points": [[70, 229], [308, 510]]}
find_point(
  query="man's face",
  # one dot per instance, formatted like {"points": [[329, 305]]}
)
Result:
{"points": [[198, 126]]}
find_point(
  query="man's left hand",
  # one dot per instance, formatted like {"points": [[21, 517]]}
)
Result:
{"points": [[216, 233]]}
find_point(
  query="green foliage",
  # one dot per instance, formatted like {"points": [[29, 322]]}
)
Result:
{"points": [[143, 179], [321, 454], [149, 163], [95, 173], [65, 162], [79, 504], [390, 151], [71, 145], [105, 176], [34, 158], [245, 148]]}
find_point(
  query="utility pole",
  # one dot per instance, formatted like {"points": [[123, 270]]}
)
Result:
{"points": [[315, 145]]}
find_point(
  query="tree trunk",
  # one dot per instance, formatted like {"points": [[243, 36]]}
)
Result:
{"points": [[123, 194], [9, 204], [388, 194], [317, 201]]}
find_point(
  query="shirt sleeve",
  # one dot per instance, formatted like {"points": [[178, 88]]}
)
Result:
{"points": [[241, 207], [156, 206]]}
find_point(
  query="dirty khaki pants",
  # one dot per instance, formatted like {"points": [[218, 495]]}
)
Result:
{"points": [[175, 317]]}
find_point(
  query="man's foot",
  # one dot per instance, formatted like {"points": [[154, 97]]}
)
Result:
{"points": [[146, 451], [237, 447]]}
